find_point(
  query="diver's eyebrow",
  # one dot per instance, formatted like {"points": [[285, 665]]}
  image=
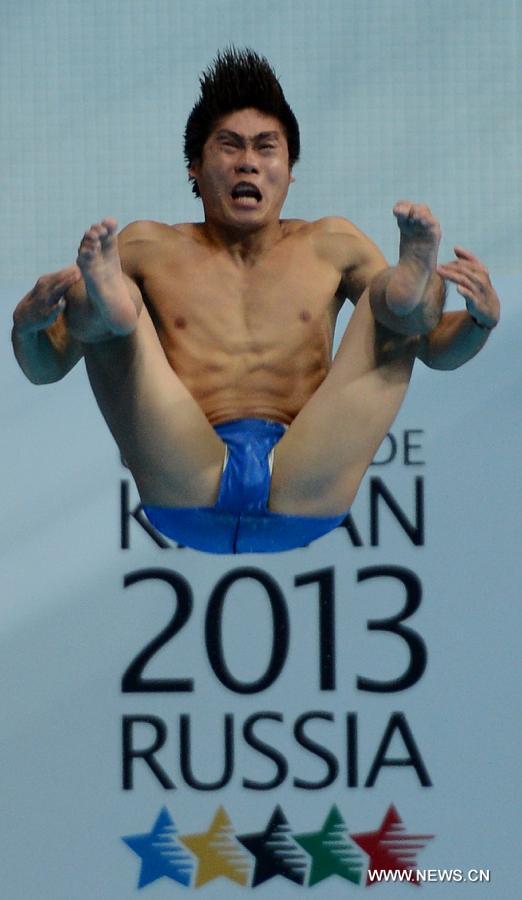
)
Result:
{"points": [[225, 133], [267, 136]]}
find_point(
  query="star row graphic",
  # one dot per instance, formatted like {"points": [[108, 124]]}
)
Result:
{"points": [[252, 859]]}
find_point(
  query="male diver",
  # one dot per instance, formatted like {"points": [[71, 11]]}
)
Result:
{"points": [[209, 345]]}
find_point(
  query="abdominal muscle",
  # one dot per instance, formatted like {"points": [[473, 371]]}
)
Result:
{"points": [[265, 384]]}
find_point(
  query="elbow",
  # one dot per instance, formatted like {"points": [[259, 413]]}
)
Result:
{"points": [[37, 375], [439, 362], [37, 378]]}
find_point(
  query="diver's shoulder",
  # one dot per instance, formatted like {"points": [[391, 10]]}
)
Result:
{"points": [[335, 225], [143, 230], [325, 225], [148, 232]]}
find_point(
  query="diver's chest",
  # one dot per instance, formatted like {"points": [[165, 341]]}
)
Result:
{"points": [[214, 294]]}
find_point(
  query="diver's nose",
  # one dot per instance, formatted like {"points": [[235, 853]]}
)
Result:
{"points": [[246, 164], [247, 168]]}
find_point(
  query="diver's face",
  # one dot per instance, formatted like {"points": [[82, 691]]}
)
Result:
{"points": [[244, 173]]}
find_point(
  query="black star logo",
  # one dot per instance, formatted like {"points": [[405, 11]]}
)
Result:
{"points": [[275, 851]]}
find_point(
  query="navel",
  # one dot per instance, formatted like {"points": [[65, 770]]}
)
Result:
{"points": [[304, 315]]}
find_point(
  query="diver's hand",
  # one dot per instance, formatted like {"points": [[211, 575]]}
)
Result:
{"points": [[42, 305], [473, 283]]}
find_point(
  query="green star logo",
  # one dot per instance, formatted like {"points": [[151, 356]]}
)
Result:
{"points": [[331, 851]]}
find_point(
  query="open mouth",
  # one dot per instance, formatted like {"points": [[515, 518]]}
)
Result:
{"points": [[247, 192]]}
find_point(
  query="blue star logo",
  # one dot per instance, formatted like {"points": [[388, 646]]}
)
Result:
{"points": [[161, 853]]}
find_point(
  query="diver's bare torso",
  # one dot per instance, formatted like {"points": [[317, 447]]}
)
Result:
{"points": [[247, 339], [221, 336]]}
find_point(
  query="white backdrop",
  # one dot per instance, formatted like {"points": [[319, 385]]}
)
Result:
{"points": [[395, 98]]}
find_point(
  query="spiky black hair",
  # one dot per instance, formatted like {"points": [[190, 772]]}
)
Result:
{"points": [[237, 79]]}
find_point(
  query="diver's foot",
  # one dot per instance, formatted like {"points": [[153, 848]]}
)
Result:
{"points": [[99, 262], [420, 233]]}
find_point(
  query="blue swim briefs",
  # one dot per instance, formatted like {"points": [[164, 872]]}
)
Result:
{"points": [[240, 521]]}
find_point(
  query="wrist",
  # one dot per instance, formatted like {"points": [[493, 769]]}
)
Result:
{"points": [[481, 325]]}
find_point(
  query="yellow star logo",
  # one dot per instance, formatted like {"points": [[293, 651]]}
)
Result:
{"points": [[218, 852]]}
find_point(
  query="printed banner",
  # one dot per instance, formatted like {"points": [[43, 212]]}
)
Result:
{"points": [[329, 718]]}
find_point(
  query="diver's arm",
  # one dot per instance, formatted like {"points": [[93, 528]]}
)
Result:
{"points": [[42, 344], [456, 339], [460, 335]]}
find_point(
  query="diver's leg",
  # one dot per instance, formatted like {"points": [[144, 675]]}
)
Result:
{"points": [[320, 461], [171, 449]]}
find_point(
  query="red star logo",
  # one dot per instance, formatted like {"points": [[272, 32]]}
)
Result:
{"points": [[390, 848]]}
